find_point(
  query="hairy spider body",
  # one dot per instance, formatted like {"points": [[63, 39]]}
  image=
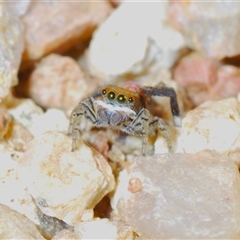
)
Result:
{"points": [[125, 110]]}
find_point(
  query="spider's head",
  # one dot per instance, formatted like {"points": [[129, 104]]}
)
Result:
{"points": [[121, 97]]}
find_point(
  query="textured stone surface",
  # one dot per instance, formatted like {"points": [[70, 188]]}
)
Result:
{"points": [[63, 183], [14, 225], [58, 82], [56, 26], [124, 44], [103, 229], [182, 196], [213, 125], [210, 27], [11, 47], [18, 199]]}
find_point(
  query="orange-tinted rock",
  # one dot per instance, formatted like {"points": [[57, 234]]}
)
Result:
{"points": [[58, 82], [55, 26]]}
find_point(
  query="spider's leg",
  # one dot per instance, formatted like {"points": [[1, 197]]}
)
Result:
{"points": [[156, 123], [90, 111], [86, 109], [140, 126], [75, 121], [166, 92]]}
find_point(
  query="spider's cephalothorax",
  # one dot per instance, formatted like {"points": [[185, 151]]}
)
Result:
{"points": [[125, 110]]}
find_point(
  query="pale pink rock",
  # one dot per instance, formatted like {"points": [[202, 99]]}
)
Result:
{"points": [[64, 183], [228, 83], [197, 74], [209, 27], [56, 26], [14, 225], [206, 79], [213, 125], [183, 196], [58, 82]]}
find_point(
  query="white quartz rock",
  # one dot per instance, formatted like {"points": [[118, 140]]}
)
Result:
{"points": [[182, 196], [133, 39], [213, 125], [64, 183], [13, 192], [103, 229], [11, 47], [51, 120]]}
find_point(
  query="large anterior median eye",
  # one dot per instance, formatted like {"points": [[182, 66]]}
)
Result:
{"points": [[121, 99], [111, 95]]}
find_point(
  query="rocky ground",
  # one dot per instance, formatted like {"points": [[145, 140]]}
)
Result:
{"points": [[54, 54]]}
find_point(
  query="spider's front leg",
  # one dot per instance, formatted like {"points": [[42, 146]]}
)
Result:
{"points": [[86, 109], [166, 92], [143, 124], [75, 120]]}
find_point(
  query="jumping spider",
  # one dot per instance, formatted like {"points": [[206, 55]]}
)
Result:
{"points": [[125, 110]]}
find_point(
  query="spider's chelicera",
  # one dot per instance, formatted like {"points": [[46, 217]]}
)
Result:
{"points": [[125, 110]]}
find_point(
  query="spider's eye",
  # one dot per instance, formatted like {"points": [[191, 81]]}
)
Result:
{"points": [[130, 100], [121, 99], [104, 91], [111, 95]]}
